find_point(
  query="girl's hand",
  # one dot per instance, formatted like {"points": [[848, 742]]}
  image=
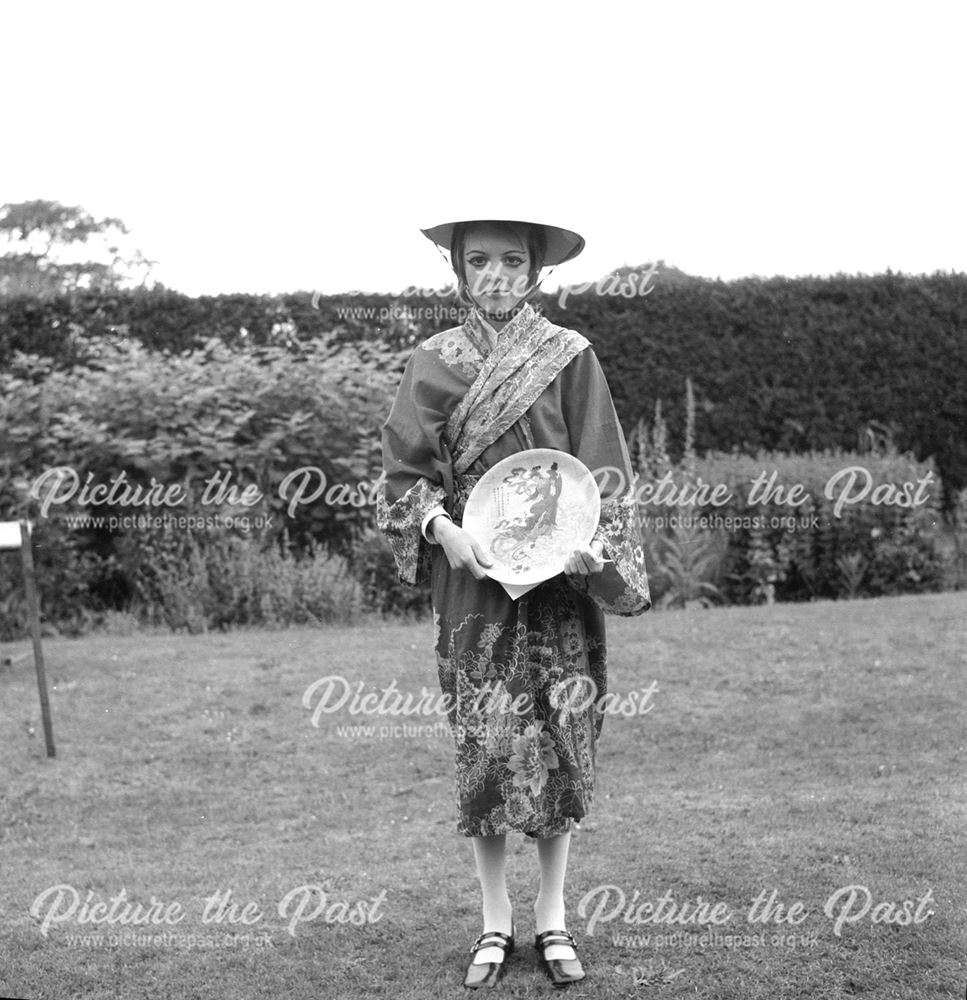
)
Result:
{"points": [[461, 550], [581, 562]]}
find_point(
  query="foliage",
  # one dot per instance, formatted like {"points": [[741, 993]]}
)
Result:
{"points": [[236, 580], [162, 319], [957, 542], [683, 558], [792, 365], [229, 420], [40, 237], [686, 559], [262, 441], [374, 566], [776, 551], [252, 418], [786, 527], [73, 580], [784, 365]]}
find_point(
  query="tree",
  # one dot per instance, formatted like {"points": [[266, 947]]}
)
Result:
{"points": [[48, 250]]}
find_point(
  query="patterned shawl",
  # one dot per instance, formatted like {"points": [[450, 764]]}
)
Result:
{"points": [[530, 353]]}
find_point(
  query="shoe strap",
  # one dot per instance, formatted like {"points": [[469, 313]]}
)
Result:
{"points": [[555, 937], [491, 939]]}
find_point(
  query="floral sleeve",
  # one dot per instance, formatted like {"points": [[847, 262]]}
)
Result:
{"points": [[401, 522], [417, 466], [621, 588]]}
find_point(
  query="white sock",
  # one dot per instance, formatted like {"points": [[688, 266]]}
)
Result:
{"points": [[549, 905], [490, 855]]}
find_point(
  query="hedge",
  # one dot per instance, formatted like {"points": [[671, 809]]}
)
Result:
{"points": [[781, 364]]}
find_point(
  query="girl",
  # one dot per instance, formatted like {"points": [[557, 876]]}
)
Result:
{"points": [[505, 381]]}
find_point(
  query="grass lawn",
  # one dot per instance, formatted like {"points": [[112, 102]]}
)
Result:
{"points": [[795, 749]]}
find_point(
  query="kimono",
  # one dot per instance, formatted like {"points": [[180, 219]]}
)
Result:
{"points": [[522, 679]]}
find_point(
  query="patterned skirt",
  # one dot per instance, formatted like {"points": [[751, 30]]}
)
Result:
{"points": [[523, 680]]}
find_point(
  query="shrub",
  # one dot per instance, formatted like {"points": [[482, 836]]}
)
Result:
{"points": [[75, 584], [789, 364], [375, 568], [231, 580], [772, 551], [793, 365], [684, 560], [191, 422]]}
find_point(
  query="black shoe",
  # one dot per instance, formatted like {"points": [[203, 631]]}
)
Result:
{"points": [[486, 974], [560, 971]]}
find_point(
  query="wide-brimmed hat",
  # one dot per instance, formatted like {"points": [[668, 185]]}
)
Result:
{"points": [[562, 244]]}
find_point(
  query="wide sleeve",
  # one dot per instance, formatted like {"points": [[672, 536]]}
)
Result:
{"points": [[597, 440], [417, 468]]}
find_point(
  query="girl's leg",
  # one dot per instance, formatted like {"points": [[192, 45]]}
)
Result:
{"points": [[491, 854], [549, 905]]}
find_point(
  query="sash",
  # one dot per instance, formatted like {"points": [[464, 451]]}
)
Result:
{"points": [[530, 353]]}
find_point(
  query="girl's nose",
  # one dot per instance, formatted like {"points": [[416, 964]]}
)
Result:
{"points": [[497, 274]]}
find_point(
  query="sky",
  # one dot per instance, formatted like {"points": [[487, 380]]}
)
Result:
{"points": [[294, 146]]}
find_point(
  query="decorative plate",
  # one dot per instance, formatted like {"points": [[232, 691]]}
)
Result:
{"points": [[529, 513]]}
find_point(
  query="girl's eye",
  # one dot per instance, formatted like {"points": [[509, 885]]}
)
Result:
{"points": [[477, 261], [514, 261]]}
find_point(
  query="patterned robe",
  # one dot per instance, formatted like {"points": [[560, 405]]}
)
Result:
{"points": [[523, 678]]}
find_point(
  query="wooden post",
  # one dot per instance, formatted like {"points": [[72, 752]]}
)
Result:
{"points": [[33, 613]]}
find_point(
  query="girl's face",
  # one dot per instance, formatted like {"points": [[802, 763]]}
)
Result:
{"points": [[497, 266]]}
